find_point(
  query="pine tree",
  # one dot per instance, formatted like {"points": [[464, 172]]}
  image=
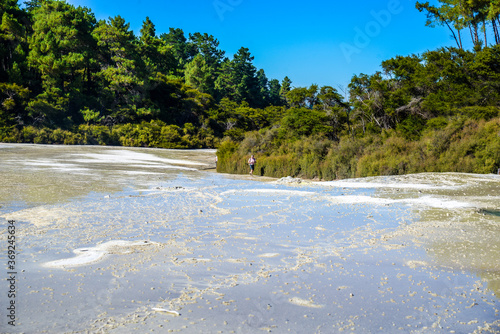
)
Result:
{"points": [[183, 51], [62, 50], [200, 76], [274, 93], [123, 72], [286, 86], [238, 79]]}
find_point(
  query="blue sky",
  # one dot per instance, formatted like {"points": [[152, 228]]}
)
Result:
{"points": [[320, 42]]}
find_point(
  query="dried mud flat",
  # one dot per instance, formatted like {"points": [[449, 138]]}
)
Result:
{"points": [[123, 240]]}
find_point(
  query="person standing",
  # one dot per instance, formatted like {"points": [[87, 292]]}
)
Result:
{"points": [[252, 162]]}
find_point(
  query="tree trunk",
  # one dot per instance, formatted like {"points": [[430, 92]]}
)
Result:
{"points": [[495, 31], [485, 38], [472, 35], [476, 34], [454, 35]]}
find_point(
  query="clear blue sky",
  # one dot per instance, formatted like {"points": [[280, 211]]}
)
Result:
{"points": [[321, 42]]}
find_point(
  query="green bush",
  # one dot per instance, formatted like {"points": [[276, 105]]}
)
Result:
{"points": [[97, 135], [457, 144], [9, 134], [277, 166], [479, 112]]}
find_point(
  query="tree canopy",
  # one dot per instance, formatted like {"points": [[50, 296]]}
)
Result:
{"points": [[67, 78]]}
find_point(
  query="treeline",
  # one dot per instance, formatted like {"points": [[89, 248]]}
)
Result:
{"points": [[66, 78], [473, 18], [424, 113], [434, 112]]}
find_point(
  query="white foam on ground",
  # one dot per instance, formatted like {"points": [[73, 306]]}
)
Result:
{"points": [[161, 189], [129, 157], [163, 167], [436, 202], [359, 199], [427, 201], [369, 185], [133, 172], [422, 181], [42, 216], [85, 256], [270, 191], [52, 164]]}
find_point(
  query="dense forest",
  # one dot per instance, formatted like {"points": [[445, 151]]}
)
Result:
{"points": [[70, 79]]}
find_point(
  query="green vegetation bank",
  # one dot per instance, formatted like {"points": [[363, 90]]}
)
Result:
{"points": [[67, 78]]}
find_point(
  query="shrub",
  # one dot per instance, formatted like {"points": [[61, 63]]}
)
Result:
{"points": [[97, 135]]}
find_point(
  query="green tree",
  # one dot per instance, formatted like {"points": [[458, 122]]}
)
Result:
{"points": [[13, 100], [334, 106], [148, 31], [473, 15], [122, 73], [182, 50], [303, 97], [364, 99], [61, 42], [275, 98], [263, 97], [31, 5], [156, 53], [443, 16], [286, 86], [485, 71], [305, 122], [12, 37], [238, 79], [200, 75], [62, 50], [208, 47], [493, 16]]}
